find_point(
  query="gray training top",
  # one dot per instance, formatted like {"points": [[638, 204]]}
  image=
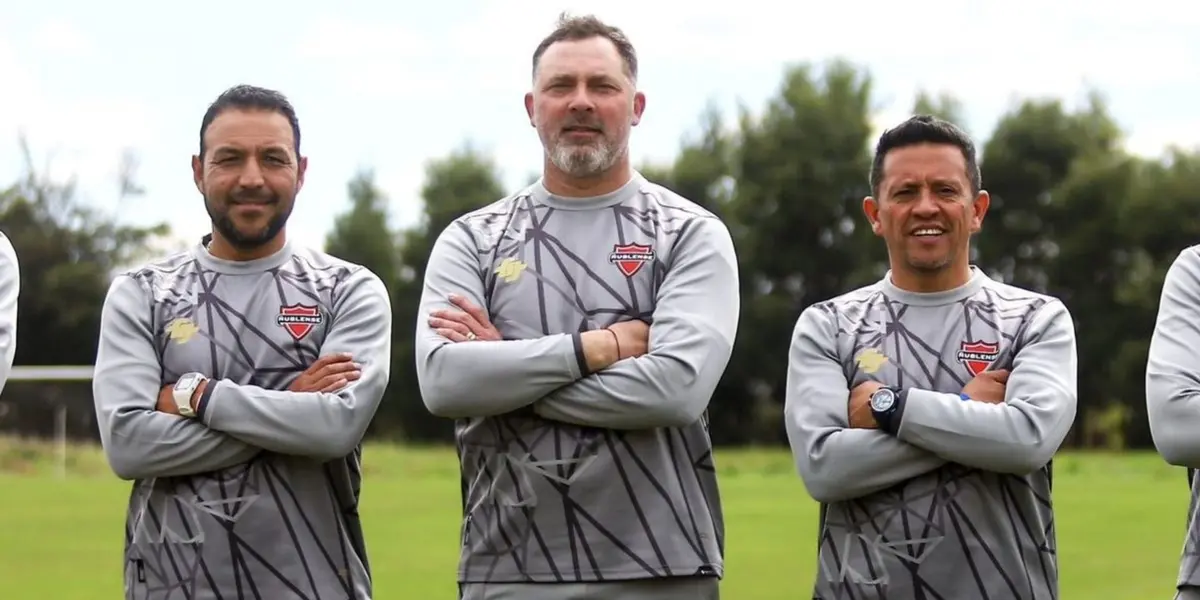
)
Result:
{"points": [[957, 504], [570, 476], [10, 288], [257, 497], [1173, 390]]}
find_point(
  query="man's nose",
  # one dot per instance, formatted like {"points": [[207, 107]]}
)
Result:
{"points": [[926, 203], [581, 100], [251, 176]]}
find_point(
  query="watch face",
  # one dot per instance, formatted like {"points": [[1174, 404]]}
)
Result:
{"points": [[882, 400], [187, 381]]}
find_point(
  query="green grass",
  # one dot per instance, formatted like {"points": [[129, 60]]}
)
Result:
{"points": [[1120, 525]]}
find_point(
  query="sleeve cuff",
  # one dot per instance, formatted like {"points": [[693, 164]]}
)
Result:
{"points": [[892, 424], [202, 403], [580, 359]]}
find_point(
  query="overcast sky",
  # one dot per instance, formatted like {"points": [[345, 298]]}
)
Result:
{"points": [[390, 88]]}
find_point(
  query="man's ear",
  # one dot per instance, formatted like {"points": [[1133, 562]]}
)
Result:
{"points": [[980, 206], [871, 208], [301, 169], [529, 107], [198, 173]]}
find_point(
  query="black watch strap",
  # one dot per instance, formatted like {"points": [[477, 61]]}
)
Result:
{"points": [[889, 420]]}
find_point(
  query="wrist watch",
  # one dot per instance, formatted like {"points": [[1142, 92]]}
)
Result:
{"points": [[885, 403], [183, 391]]}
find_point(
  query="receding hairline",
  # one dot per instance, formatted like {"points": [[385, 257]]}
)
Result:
{"points": [[624, 65]]}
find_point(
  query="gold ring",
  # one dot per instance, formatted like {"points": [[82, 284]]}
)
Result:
{"points": [[471, 335]]}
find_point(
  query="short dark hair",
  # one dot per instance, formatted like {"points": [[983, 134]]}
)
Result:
{"points": [[572, 29], [249, 97], [925, 129]]}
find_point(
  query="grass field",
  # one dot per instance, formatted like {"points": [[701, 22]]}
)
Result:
{"points": [[1120, 525]]}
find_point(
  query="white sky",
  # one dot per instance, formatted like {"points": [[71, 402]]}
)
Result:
{"points": [[389, 88]]}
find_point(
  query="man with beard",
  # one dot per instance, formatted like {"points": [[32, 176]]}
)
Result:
{"points": [[924, 410], [576, 330], [10, 288], [234, 382]]}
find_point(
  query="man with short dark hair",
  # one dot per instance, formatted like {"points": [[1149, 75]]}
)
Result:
{"points": [[10, 289], [576, 331], [923, 410], [234, 383]]}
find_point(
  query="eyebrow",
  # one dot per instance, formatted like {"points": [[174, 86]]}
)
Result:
{"points": [[279, 148], [565, 78]]}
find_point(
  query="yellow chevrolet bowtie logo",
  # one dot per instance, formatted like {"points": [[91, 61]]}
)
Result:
{"points": [[181, 330], [510, 269], [871, 360]]}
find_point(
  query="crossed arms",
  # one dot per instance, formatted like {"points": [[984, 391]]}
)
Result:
{"points": [[690, 341], [10, 287], [1018, 436], [1172, 369], [235, 421]]}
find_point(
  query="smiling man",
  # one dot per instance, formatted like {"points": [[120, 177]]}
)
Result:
{"points": [[923, 410], [576, 331], [234, 382]]}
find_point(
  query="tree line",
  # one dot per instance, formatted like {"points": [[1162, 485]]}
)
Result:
{"points": [[1073, 214]]}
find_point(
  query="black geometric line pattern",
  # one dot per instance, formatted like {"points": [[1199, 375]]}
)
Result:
{"points": [[957, 531], [277, 526], [545, 501]]}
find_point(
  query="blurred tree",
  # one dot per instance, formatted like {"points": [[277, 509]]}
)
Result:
{"points": [[67, 253], [796, 215], [944, 106], [362, 234], [455, 185], [1057, 179]]}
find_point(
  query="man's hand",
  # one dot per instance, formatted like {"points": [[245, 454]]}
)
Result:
{"points": [[987, 386], [603, 347], [467, 325], [633, 338], [166, 400], [327, 374], [859, 411]]}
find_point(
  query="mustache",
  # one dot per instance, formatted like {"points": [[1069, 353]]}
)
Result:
{"points": [[258, 197], [583, 124]]}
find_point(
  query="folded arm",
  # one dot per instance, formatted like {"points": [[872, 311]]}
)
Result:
{"points": [[1173, 367], [10, 288], [482, 378], [691, 338], [1021, 434], [317, 424], [837, 462], [138, 441]]}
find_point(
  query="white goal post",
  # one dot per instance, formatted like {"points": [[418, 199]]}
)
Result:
{"points": [[55, 373]]}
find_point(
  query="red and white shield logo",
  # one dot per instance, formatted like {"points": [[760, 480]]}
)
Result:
{"points": [[977, 356], [299, 319], [629, 258]]}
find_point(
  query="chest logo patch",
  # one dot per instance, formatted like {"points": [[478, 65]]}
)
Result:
{"points": [[299, 319], [630, 258], [510, 270], [871, 360], [977, 356], [181, 330]]}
